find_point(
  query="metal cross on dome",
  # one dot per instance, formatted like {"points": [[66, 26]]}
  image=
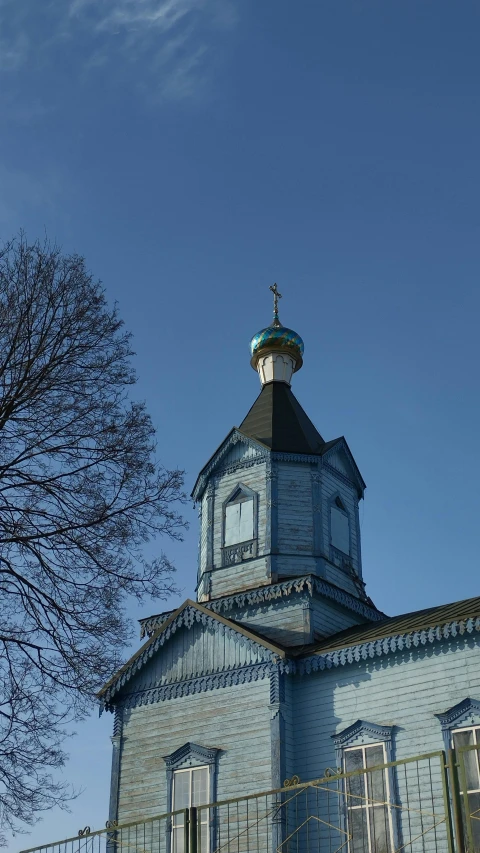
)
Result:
{"points": [[276, 296]]}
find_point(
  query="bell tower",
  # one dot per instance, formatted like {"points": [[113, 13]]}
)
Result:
{"points": [[277, 503]]}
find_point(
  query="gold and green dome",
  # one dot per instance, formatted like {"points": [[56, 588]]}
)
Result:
{"points": [[277, 337]]}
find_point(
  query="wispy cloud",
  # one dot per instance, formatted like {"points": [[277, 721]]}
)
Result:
{"points": [[13, 53], [24, 194], [172, 46]]}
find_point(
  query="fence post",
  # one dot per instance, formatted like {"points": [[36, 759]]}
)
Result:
{"points": [[186, 830], [193, 839], [456, 805], [446, 802]]}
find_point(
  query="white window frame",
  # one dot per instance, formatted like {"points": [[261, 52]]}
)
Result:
{"points": [[245, 548], [204, 813], [243, 500], [365, 804], [476, 738]]}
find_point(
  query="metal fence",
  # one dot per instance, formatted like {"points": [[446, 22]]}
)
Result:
{"points": [[424, 804], [153, 835]]}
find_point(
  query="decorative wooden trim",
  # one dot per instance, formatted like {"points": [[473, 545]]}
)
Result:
{"points": [[241, 465], [310, 583], [284, 665], [185, 617], [210, 498], [193, 753], [307, 458], [316, 478], [271, 592], [359, 542], [363, 729], [202, 684], [271, 529], [385, 646], [341, 444], [464, 714], [277, 685], [117, 740]]}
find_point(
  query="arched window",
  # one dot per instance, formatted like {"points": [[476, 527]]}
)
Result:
{"points": [[339, 526], [239, 517]]}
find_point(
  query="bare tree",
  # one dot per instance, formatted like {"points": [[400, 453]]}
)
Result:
{"points": [[80, 496]]}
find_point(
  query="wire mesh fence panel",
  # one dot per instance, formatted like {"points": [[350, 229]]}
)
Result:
{"points": [[384, 808], [374, 808], [163, 834]]}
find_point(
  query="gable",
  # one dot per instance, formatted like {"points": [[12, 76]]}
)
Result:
{"points": [[193, 643], [236, 450], [339, 457], [194, 652], [239, 452], [340, 462]]}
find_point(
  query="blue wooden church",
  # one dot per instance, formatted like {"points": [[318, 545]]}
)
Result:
{"points": [[283, 667]]}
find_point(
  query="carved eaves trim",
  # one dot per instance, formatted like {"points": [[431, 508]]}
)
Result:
{"points": [[185, 617], [264, 594], [385, 646], [201, 684]]}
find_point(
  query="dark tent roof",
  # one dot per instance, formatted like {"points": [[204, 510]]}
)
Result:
{"points": [[278, 420]]}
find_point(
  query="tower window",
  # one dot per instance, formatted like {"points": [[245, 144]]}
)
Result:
{"points": [[339, 527], [239, 518]]}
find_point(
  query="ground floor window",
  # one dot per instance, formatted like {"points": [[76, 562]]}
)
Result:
{"points": [[469, 762], [190, 788], [368, 810]]}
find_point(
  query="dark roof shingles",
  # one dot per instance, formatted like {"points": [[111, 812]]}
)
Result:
{"points": [[405, 623], [277, 420]]}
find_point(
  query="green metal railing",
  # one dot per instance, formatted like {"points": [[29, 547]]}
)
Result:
{"points": [[151, 834], [407, 805]]}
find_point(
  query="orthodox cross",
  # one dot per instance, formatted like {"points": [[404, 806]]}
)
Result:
{"points": [[276, 296]]}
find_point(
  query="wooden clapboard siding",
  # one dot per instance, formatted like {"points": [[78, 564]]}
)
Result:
{"points": [[329, 618], [248, 573], [235, 720], [239, 577], [332, 486], [281, 621], [404, 691], [295, 512], [255, 479], [295, 565]]}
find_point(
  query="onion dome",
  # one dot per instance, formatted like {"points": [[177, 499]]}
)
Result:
{"points": [[276, 352], [278, 338]]}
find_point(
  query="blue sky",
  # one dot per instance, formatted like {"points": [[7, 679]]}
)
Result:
{"points": [[195, 151]]}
